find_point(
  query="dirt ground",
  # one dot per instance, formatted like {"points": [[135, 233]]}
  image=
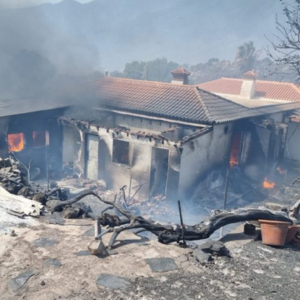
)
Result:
{"points": [[254, 271], [76, 273]]}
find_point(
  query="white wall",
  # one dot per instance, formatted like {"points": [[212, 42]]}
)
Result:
{"points": [[117, 175], [202, 153], [140, 123], [68, 144], [151, 126]]}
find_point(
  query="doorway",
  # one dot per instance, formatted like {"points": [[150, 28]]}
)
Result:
{"points": [[159, 171]]}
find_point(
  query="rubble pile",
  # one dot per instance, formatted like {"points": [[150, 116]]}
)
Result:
{"points": [[206, 252], [155, 207], [14, 180], [242, 190], [285, 195], [89, 184]]}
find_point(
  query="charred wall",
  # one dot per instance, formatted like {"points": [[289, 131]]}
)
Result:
{"points": [[122, 159], [203, 154], [35, 128]]}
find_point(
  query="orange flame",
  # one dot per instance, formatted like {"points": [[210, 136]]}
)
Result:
{"points": [[16, 142], [233, 162], [268, 184], [281, 171]]}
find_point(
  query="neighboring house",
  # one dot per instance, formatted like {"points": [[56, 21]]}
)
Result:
{"points": [[164, 138], [262, 95]]}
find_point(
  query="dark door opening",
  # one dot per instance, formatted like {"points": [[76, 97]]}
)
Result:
{"points": [[159, 171], [235, 149]]}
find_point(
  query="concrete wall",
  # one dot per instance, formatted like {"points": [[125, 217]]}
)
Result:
{"points": [[68, 145], [202, 153], [292, 146], [4, 123], [264, 137], [151, 126], [138, 172], [278, 117]]}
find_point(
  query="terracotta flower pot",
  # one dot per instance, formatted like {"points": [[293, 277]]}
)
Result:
{"points": [[274, 232], [292, 230]]}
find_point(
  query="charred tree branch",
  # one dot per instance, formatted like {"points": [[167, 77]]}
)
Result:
{"points": [[168, 233]]}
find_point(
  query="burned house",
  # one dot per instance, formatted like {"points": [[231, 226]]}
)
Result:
{"points": [[30, 132], [265, 96], [165, 138], [156, 138]]}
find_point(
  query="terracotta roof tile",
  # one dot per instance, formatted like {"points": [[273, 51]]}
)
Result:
{"points": [[180, 102], [264, 89]]}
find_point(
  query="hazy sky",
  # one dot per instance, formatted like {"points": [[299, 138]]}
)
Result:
{"points": [[24, 3]]}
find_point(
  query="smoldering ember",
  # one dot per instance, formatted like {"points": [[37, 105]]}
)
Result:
{"points": [[161, 180]]}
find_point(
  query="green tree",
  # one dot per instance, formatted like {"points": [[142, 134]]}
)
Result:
{"points": [[155, 70], [135, 70], [159, 70]]}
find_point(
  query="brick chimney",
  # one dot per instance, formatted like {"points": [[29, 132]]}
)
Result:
{"points": [[180, 76], [249, 85]]}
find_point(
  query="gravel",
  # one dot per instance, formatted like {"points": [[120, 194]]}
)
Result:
{"points": [[255, 271]]}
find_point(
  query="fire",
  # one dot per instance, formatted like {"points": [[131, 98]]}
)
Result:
{"points": [[280, 171], [16, 142], [268, 184], [233, 161], [235, 150]]}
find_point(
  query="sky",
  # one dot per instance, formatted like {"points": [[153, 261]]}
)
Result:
{"points": [[25, 3]]}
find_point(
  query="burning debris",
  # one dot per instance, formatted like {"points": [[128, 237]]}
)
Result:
{"points": [[268, 184], [13, 178]]}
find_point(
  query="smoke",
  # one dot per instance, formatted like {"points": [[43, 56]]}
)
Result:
{"points": [[38, 58], [12, 4]]}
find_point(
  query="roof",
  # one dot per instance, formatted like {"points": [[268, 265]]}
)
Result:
{"points": [[179, 102], [10, 107], [264, 89], [282, 107]]}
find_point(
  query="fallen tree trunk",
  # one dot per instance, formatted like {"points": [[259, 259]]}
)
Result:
{"points": [[168, 233]]}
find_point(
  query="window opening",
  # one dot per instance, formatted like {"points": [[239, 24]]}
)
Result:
{"points": [[121, 152], [16, 141], [40, 138]]}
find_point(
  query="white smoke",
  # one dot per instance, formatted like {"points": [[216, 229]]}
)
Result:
{"points": [[4, 4]]}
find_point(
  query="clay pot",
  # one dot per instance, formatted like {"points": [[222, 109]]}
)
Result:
{"points": [[274, 232], [292, 230]]}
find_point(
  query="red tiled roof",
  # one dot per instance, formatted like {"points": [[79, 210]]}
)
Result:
{"points": [[180, 102], [264, 89]]}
